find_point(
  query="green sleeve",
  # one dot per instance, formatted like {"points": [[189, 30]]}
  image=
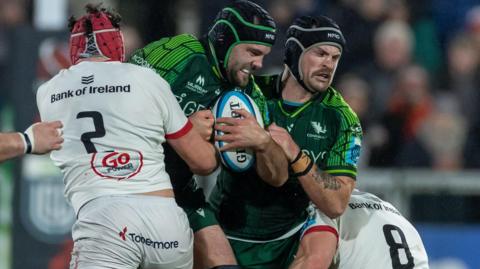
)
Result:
{"points": [[168, 56], [343, 157]]}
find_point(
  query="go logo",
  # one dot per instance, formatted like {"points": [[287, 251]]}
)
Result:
{"points": [[117, 165], [115, 159]]}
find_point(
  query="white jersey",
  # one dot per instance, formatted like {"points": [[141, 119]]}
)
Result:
{"points": [[115, 117], [372, 234]]}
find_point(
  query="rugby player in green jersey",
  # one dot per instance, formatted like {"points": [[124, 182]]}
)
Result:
{"points": [[321, 137], [198, 71]]}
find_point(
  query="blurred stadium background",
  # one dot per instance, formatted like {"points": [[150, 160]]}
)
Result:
{"points": [[411, 73]]}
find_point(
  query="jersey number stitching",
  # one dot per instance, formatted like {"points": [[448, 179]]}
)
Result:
{"points": [[99, 129], [395, 247]]}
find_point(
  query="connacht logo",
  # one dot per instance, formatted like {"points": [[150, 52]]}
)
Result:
{"points": [[290, 127], [319, 129], [87, 79], [200, 80]]}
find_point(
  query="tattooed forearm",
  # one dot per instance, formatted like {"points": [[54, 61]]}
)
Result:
{"points": [[329, 181]]}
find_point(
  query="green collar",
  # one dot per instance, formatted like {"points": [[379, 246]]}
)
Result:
{"points": [[296, 112]]}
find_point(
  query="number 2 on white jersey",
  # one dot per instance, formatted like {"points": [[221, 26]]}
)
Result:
{"points": [[99, 129]]}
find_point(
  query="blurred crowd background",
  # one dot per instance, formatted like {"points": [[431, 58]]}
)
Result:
{"points": [[411, 72]]}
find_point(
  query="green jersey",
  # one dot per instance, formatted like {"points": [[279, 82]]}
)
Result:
{"points": [[187, 65], [326, 129]]}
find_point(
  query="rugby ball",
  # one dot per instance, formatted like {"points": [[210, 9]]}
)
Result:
{"points": [[238, 160]]}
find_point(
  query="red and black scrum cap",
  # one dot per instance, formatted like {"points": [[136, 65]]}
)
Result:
{"points": [[96, 34]]}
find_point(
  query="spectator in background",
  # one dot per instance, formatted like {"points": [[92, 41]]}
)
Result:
{"points": [[473, 24], [408, 107], [427, 48], [461, 76], [442, 135], [398, 10], [393, 44], [12, 13], [359, 21]]}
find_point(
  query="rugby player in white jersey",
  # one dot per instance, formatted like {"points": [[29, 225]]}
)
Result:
{"points": [[39, 138], [116, 117], [371, 233]]}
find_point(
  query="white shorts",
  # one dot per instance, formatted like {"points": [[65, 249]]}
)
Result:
{"points": [[132, 231]]}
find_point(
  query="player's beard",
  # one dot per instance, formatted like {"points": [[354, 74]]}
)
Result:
{"points": [[239, 75]]}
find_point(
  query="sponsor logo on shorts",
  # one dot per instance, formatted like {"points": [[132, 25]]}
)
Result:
{"points": [[117, 165], [123, 233], [139, 239]]}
